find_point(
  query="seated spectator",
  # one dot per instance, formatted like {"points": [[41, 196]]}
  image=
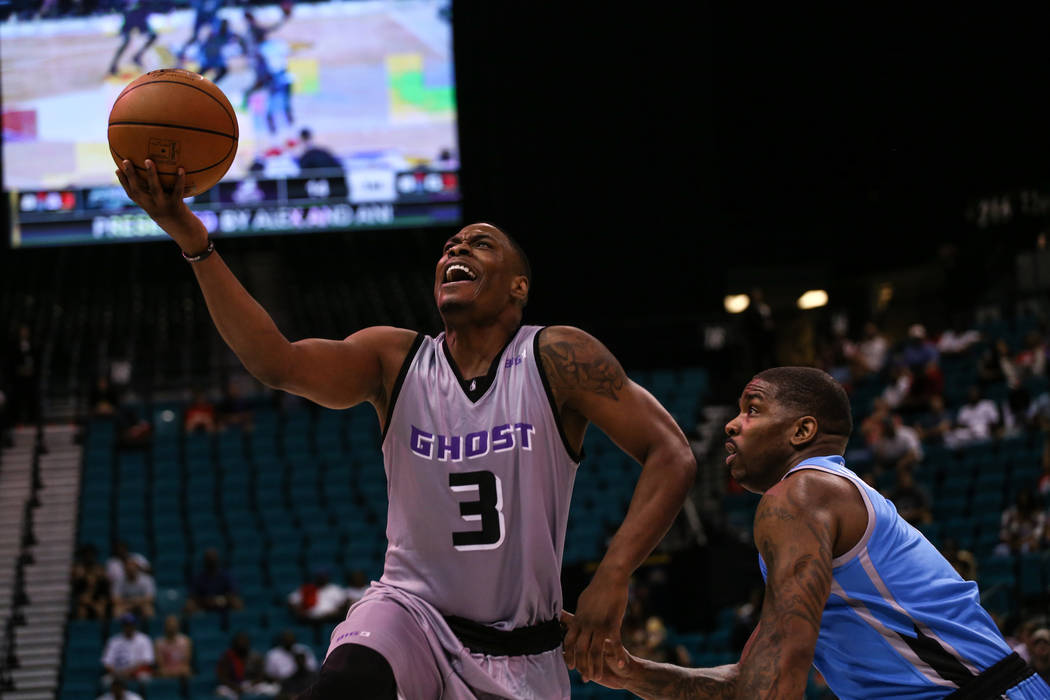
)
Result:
{"points": [[868, 357], [103, 399], [952, 342], [871, 424], [995, 365], [90, 585], [234, 409], [115, 563], [1031, 360], [1022, 641], [135, 593], [173, 651], [280, 664], [356, 586], [200, 414], [133, 430], [897, 447], [976, 420], [319, 599], [910, 499], [212, 588], [936, 423], [117, 691], [301, 679], [240, 670], [1040, 652], [1023, 527], [129, 653], [962, 560], [899, 387]]}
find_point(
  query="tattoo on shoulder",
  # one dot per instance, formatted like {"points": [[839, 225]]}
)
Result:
{"points": [[579, 365]]}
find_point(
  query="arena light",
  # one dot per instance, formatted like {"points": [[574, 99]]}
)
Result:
{"points": [[737, 303], [813, 299]]}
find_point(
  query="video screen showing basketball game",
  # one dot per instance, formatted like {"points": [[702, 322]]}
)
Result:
{"points": [[346, 112]]}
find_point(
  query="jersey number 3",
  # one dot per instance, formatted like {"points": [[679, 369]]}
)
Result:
{"points": [[488, 508]]}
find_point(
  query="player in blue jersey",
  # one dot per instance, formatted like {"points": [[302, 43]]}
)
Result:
{"points": [[851, 588], [483, 427]]}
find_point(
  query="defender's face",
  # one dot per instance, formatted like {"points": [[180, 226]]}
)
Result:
{"points": [[476, 269], [758, 438]]}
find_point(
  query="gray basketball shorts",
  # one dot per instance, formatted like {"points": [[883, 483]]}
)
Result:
{"points": [[429, 661]]}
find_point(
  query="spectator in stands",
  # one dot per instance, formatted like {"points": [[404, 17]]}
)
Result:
{"points": [[319, 599], [935, 424], [240, 670], [1022, 641], [200, 414], [868, 357], [316, 157], [356, 585], [118, 691], [135, 593], [173, 651], [129, 653], [1024, 527], [280, 664], [962, 560], [952, 342], [921, 358], [90, 585], [910, 499], [1031, 360], [213, 587], [995, 365], [871, 425], [976, 420], [132, 429], [103, 399], [115, 564], [899, 387], [897, 447], [1040, 652], [233, 409], [301, 678]]}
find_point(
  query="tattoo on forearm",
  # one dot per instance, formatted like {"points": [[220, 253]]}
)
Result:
{"points": [[567, 366], [688, 684], [799, 578]]}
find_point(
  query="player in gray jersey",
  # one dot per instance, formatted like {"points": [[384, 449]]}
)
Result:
{"points": [[482, 431]]}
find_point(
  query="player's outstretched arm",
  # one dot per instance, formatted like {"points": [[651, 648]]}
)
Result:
{"points": [[795, 530], [655, 681], [589, 385], [333, 373]]}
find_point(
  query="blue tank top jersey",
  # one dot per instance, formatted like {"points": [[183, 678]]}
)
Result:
{"points": [[900, 622]]}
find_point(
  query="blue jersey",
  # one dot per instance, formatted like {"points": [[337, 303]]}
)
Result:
{"points": [[900, 622]]}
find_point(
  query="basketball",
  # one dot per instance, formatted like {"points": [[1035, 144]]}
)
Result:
{"points": [[175, 118]]}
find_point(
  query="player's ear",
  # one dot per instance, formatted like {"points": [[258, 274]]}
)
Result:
{"points": [[519, 289], [804, 432]]}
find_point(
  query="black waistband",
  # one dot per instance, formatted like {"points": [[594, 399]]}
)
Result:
{"points": [[522, 641], [995, 680]]}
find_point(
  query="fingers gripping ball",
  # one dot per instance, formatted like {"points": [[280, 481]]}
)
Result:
{"points": [[175, 118]]}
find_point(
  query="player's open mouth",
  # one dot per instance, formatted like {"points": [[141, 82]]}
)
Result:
{"points": [[731, 449], [457, 272]]}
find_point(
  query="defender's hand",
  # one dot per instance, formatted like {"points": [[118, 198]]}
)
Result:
{"points": [[164, 207], [599, 616], [618, 666]]}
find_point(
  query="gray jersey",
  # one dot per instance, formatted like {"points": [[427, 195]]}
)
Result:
{"points": [[479, 491]]}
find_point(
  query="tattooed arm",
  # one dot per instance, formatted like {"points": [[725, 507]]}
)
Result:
{"points": [[795, 529], [589, 386]]}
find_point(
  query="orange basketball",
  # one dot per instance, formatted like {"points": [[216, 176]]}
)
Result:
{"points": [[176, 119]]}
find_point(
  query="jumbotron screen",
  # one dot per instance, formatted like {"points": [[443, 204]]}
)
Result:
{"points": [[346, 109]]}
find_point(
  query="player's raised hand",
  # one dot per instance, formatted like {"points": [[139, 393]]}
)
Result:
{"points": [[599, 616], [166, 207]]}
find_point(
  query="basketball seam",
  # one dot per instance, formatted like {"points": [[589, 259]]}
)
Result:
{"points": [[174, 126], [233, 117], [176, 173]]}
